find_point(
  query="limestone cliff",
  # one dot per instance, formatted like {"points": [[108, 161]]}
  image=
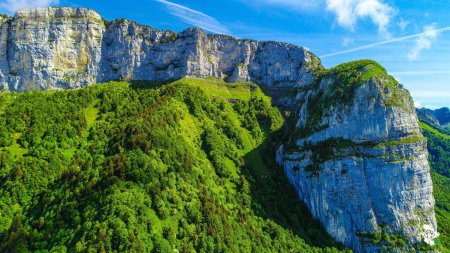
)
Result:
{"points": [[356, 154], [48, 48], [359, 161]]}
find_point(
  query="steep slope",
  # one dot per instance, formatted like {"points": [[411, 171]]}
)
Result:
{"points": [[439, 148], [359, 161], [119, 168], [48, 48]]}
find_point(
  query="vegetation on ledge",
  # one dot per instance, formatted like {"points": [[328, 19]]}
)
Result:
{"points": [[346, 78]]}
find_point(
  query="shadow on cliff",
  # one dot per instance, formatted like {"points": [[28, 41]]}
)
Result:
{"points": [[273, 197]]}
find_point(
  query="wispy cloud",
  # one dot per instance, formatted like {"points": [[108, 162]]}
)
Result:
{"points": [[431, 99], [432, 94], [399, 39], [347, 41], [423, 42], [348, 12], [195, 18], [11, 6], [402, 24], [420, 104]]}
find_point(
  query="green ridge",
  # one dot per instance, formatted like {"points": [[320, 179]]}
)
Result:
{"points": [[439, 150], [434, 131], [186, 166]]}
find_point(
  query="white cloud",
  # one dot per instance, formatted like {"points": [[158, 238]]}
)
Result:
{"points": [[403, 24], [347, 41], [423, 42], [348, 12], [13, 5], [419, 104], [195, 18]]}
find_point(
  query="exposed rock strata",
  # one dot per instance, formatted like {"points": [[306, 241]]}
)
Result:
{"points": [[364, 168], [48, 48]]}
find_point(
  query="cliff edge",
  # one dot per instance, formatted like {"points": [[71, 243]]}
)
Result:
{"points": [[359, 161], [65, 48]]}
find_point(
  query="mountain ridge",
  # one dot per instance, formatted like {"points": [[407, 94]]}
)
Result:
{"points": [[126, 50], [352, 131], [439, 117]]}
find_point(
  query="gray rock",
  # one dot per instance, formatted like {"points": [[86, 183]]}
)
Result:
{"points": [[365, 168], [50, 48], [65, 48]]}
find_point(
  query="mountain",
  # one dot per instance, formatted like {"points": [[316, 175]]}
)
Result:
{"points": [[189, 165], [358, 146], [120, 167], [439, 149], [439, 117], [439, 145], [56, 48]]}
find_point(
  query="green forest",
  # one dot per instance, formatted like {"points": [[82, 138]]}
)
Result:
{"points": [[187, 166], [439, 156]]}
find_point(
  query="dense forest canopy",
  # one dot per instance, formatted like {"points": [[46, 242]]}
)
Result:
{"points": [[439, 151], [146, 167], [187, 166]]}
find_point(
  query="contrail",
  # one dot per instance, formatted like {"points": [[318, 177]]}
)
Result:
{"points": [[195, 17], [445, 29]]}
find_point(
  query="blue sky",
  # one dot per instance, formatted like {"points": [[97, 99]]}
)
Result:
{"points": [[410, 38]]}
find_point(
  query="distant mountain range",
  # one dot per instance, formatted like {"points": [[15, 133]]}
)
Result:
{"points": [[439, 117]]}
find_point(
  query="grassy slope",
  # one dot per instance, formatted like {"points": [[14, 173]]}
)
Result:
{"points": [[434, 131], [235, 91], [441, 183], [120, 167]]}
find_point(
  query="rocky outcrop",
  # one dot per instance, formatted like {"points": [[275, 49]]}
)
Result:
{"points": [[52, 48], [132, 51], [356, 155], [359, 161]]}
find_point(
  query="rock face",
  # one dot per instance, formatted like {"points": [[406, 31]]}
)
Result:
{"points": [[356, 155], [51, 48], [359, 161]]}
